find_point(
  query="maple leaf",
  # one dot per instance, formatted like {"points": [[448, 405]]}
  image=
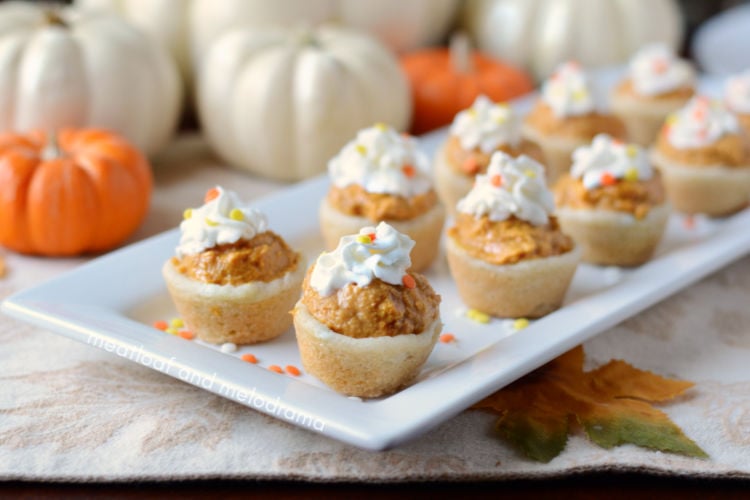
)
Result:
{"points": [[612, 404]]}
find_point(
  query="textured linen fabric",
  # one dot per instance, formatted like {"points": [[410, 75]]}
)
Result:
{"points": [[72, 412]]}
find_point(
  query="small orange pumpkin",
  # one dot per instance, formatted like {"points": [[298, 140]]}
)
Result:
{"points": [[446, 80], [77, 192]]}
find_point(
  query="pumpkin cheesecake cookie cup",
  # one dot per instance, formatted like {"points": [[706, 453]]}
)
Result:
{"points": [[657, 84], [475, 134], [365, 326], [702, 153], [232, 279], [506, 252], [737, 99], [612, 203], [382, 176], [565, 118]]}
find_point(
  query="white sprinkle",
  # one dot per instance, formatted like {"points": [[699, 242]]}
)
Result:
{"points": [[355, 398], [228, 347]]}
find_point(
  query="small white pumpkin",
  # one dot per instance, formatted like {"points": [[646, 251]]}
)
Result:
{"points": [[401, 24], [64, 67], [540, 34], [281, 102], [165, 20]]}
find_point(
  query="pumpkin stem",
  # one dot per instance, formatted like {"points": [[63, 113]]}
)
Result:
{"points": [[460, 53], [52, 17], [51, 150]]}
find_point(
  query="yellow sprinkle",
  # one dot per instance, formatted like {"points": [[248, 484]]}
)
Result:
{"points": [[631, 174], [632, 150], [529, 173], [187, 213], [364, 239], [500, 120], [580, 95], [472, 112], [236, 214], [211, 223], [478, 316], [671, 119], [381, 126], [171, 331], [176, 323], [361, 149], [520, 323]]}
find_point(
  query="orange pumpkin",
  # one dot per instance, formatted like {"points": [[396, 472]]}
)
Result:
{"points": [[81, 191], [446, 80]]}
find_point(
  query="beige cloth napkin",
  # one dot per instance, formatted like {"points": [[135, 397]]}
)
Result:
{"points": [[69, 411]]}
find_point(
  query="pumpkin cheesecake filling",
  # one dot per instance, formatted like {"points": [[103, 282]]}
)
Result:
{"points": [[635, 197], [265, 257], [379, 309], [354, 199], [626, 87], [543, 119], [730, 150], [508, 241]]}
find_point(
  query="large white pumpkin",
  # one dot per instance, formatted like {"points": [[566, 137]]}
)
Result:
{"points": [[401, 24], [281, 102], [539, 34], [67, 68]]}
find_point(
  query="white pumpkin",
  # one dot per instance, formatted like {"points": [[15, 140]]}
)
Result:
{"points": [[281, 102], [165, 20], [401, 24], [66, 68], [539, 34]]}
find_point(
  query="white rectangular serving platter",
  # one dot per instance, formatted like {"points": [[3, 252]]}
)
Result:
{"points": [[111, 302]]}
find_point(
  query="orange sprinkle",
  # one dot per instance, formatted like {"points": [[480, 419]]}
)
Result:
{"points": [[659, 66], [250, 358], [447, 338], [276, 368], [210, 195], [608, 179], [689, 222], [293, 370], [405, 135], [470, 165], [161, 325], [408, 281], [187, 334], [409, 170], [372, 236], [497, 180]]}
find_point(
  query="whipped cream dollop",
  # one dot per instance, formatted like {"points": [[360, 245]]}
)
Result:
{"points": [[222, 219], [485, 125], [382, 160], [700, 122], [655, 69], [568, 92], [737, 93], [511, 187], [606, 161], [376, 252]]}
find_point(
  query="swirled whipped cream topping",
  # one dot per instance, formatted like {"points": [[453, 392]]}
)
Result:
{"points": [[376, 252], [381, 160], [568, 92], [737, 93], [700, 122], [511, 187], [221, 220], [606, 161], [655, 69], [485, 125]]}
